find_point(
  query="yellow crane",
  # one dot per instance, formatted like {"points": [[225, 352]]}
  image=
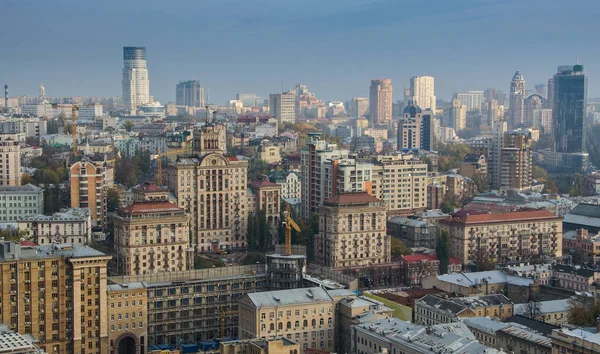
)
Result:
{"points": [[159, 158], [288, 223], [223, 314]]}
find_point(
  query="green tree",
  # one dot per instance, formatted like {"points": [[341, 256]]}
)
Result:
{"points": [[52, 126], [442, 251], [252, 240], [264, 230], [113, 199], [481, 182], [577, 189], [128, 125], [69, 129], [398, 248], [13, 234], [26, 179], [256, 169]]}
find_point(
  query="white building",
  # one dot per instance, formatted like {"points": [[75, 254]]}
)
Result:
{"points": [[72, 225], [457, 115], [472, 99], [20, 201], [88, 114], [422, 92], [283, 106], [136, 86], [542, 119], [31, 127], [10, 160], [290, 182]]}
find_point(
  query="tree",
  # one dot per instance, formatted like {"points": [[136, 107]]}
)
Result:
{"points": [[583, 311], [113, 199], [399, 248], [533, 309], [252, 241], [52, 126], [577, 188], [26, 179], [481, 182], [264, 230], [442, 251], [13, 234], [256, 169], [69, 129], [128, 125], [484, 260]]}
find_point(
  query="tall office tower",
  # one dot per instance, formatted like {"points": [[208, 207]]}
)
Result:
{"points": [[359, 106], [516, 113], [531, 103], [422, 92], [213, 187], [493, 113], [352, 232], [457, 115], [380, 102], [42, 91], [189, 93], [415, 129], [313, 158], [283, 106], [248, 99], [473, 100], [10, 169], [42, 291], [493, 94], [541, 89], [542, 119], [89, 189], [550, 97], [517, 161], [569, 109], [136, 87], [495, 155]]}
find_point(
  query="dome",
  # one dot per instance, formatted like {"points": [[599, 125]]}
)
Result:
{"points": [[412, 109], [518, 76]]}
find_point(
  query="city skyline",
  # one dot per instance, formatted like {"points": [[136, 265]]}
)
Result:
{"points": [[228, 69]]}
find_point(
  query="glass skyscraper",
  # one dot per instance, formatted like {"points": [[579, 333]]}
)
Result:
{"points": [[569, 109]]}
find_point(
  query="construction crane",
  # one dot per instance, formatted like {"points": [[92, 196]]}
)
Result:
{"points": [[159, 158], [223, 314], [74, 116], [288, 223]]}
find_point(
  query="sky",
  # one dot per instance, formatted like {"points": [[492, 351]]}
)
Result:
{"points": [[334, 46]]}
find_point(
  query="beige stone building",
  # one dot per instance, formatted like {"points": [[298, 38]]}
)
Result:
{"points": [[381, 101], [508, 236], [400, 181], [68, 226], [307, 316], [260, 346], [574, 341], [516, 161], [473, 164], [213, 187], [88, 189], [10, 160], [57, 294], [127, 306], [152, 237], [268, 153], [267, 197], [352, 232]]}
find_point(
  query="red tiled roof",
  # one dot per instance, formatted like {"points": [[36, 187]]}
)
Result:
{"points": [[454, 261], [232, 158], [151, 187], [352, 198], [414, 258], [150, 208], [27, 243], [470, 217]]}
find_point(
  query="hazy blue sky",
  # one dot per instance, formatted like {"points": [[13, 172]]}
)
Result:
{"points": [[333, 46]]}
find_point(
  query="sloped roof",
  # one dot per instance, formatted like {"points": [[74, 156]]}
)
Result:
{"points": [[415, 258], [352, 199], [150, 207], [478, 218], [263, 183], [289, 297]]}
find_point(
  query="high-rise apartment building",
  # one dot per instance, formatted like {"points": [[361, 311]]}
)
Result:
{"points": [[352, 232], [189, 93], [473, 100], [542, 119], [381, 101], [457, 115], [531, 103], [517, 96], [89, 188], [359, 107], [283, 106], [415, 129], [213, 187], [550, 97], [517, 161], [569, 109], [10, 160], [495, 155], [136, 86], [248, 99], [422, 92], [152, 237], [400, 181], [42, 295]]}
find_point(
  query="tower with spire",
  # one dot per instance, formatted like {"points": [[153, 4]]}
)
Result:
{"points": [[516, 116]]}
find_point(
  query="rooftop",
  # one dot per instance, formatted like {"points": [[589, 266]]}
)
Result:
{"points": [[152, 207], [538, 326], [66, 215], [480, 218], [527, 335], [13, 251], [546, 306], [361, 198], [485, 324], [294, 296], [582, 272], [416, 258], [477, 278], [26, 188]]}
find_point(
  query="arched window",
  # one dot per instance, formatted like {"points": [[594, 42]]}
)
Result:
{"points": [[296, 324], [305, 323], [280, 326], [289, 325], [314, 322], [271, 327], [321, 321], [329, 320]]}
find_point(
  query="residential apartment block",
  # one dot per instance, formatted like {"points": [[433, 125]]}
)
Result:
{"points": [[352, 232], [151, 237], [20, 201], [88, 183], [127, 318], [431, 309], [512, 235], [72, 225], [10, 160]]}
